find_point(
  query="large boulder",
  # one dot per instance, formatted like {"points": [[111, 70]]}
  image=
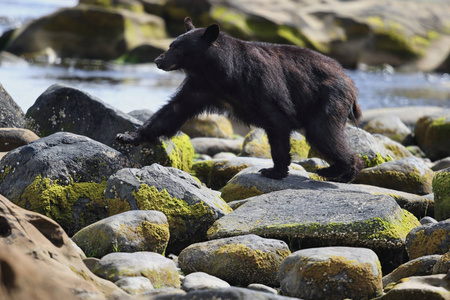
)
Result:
{"points": [[209, 125], [441, 189], [39, 261], [87, 31], [62, 176], [390, 126], [238, 260], [11, 115], [326, 218], [428, 239], [331, 273], [432, 134], [190, 207]]}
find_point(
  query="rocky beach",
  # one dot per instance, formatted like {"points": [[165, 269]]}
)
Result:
{"points": [[191, 217]]}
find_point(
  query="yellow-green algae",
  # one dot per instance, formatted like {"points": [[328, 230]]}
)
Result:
{"points": [[441, 190], [182, 155], [50, 198], [427, 244], [377, 160], [362, 281], [233, 191]]}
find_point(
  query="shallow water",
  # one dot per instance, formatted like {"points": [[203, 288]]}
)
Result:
{"points": [[144, 86]]}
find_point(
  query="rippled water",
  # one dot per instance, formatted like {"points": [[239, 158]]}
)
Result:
{"points": [[144, 86]]}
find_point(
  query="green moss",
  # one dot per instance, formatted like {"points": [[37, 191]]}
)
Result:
{"points": [[131, 5], [179, 213], [233, 22], [57, 201], [117, 206], [427, 244], [441, 190], [202, 170], [377, 160], [232, 192], [299, 148], [256, 144], [292, 35], [181, 156], [4, 172]]}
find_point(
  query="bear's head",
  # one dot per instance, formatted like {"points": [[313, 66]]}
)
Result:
{"points": [[185, 50]]}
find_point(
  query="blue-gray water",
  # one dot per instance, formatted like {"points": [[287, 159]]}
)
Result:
{"points": [[144, 86]]}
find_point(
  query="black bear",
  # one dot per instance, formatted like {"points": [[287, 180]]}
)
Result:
{"points": [[280, 88]]}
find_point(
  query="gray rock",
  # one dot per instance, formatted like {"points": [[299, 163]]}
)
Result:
{"points": [[131, 231], [12, 138], [161, 271], [442, 266], [331, 273], [212, 146], [135, 285], [427, 220], [314, 218], [224, 155], [202, 281], [11, 115], [249, 183], [409, 175], [390, 126], [262, 288], [441, 164], [141, 114], [428, 239], [63, 176], [420, 266], [313, 164], [190, 207], [239, 260], [231, 293]]}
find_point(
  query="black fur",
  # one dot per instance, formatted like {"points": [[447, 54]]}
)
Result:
{"points": [[279, 88]]}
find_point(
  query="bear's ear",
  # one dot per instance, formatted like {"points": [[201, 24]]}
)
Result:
{"points": [[188, 24], [211, 33]]}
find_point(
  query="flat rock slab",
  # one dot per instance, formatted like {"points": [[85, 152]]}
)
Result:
{"points": [[318, 218]]}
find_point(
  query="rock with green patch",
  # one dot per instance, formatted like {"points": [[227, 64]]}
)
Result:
{"points": [[12, 138], [215, 173], [209, 125], [420, 266], [313, 164], [213, 146], [441, 190], [239, 260], [431, 287], [162, 272], [390, 126], [432, 134], [312, 218], [132, 231], [256, 144], [11, 115], [87, 31], [190, 207], [249, 182], [373, 149], [62, 176], [442, 266], [428, 239], [331, 273], [410, 175]]}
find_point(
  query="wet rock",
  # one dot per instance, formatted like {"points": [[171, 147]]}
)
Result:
{"points": [[331, 273], [40, 262], [441, 190], [428, 239], [190, 207], [209, 125], [442, 266], [432, 134], [409, 175], [135, 285], [62, 176], [87, 31], [239, 260], [12, 138], [161, 271], [432, 287], [256, 144], [390, 126], [130, 231], [11, 115], [213, 146], [202, 281], [312, 218], [248, 183], [420, 266]]}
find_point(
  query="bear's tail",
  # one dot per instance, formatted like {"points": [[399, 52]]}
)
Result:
{"points": [[355, 114]]}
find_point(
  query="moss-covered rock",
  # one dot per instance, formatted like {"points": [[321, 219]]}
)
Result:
{"points": [[442, 266], [190, 207], [390, 126], [441, 190], [408, 175], [62, 176], [256, 144], [209, 125], [432, 134], [238, 260], [331, 273], [428, 239], [130, 231], [308, 218]]}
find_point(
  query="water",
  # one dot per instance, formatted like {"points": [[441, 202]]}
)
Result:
{"points": [[144, 86]]}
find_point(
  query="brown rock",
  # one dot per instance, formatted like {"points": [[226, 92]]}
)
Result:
{"points": [[12, 138]]}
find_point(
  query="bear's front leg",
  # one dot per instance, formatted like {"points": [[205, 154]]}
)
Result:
{"points": [[279, 148], [131, 138]]}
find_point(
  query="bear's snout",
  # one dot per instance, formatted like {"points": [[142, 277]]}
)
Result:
{"points": [[158, 60]]}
